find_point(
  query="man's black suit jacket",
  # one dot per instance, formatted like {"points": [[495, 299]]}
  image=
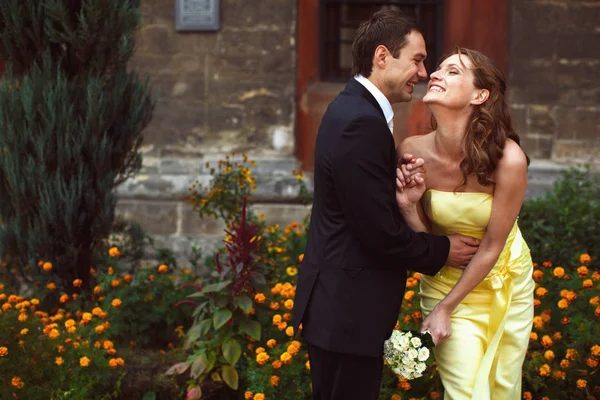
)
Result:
{"points": [[352, 279]]}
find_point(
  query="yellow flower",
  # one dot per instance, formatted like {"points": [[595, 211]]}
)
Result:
{"points": [[293, 350], [260, 350], [559, 272], [289, 331], [262, 358], [77, 283], [259, 298], [563, 304], [585, 258], [285, 357], [259, 396], [35, 302], [86, 317], [54, 333], [544, 370], [116, 303], [114, 252], [582, 271], [99, 329], [271, 343], [289, 304], [47, 266], [17, 382], [3, 351], [59, 361], [97, 311], [22, 317], [581, 383], [84, 361], [162, 269], [307, 365], [408, 296], [588, 284], [24, 331], [549, 355], [291, 271], [274, 380]]}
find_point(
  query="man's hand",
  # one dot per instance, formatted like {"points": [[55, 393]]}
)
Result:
{"points": [[408, 196], [462, 250], [410, 167]]}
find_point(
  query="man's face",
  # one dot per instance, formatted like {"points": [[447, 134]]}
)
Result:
{"points": [[402, 74]]}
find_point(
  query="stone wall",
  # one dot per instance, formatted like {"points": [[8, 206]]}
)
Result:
{"points": [[554, 77], [218, 92]]}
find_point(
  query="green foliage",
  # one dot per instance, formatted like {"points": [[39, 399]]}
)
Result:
{"points": [[564, 222], [71, 117]]}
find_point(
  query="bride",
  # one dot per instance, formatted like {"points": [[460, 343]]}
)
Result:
{"points": [[476, 176]]}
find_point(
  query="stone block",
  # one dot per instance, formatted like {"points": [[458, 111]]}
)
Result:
{"points": [[270, 13], [519, 118], [282, 214], [173, 122], [193, 225], [576, 152], [535, 17], [533, 81], [155, 217], [540, 119], [578, 46], [579, 123], [537, 146], [532, 45]]}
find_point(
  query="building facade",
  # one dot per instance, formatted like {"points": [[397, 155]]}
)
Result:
{"points": [[260, 83]]}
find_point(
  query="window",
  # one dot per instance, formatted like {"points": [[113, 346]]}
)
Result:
{"points": [[341, 18]]}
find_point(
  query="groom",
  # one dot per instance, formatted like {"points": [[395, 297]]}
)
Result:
{"points": [[352, 279]]}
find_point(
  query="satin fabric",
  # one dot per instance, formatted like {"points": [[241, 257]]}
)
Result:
{"points": [[490, 328]]}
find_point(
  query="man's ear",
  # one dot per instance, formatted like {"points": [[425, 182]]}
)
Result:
{"points": [[380, 58], [481, 97]]}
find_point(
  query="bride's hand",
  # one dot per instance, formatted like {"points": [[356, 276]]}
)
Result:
{"points": [[438, 325], [409, 195]]}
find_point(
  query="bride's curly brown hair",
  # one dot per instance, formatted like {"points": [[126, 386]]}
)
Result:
{"points": [[490, 124]]}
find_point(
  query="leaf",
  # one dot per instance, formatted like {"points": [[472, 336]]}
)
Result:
{"points": [[149, 396], [258, 278], [232, 350], [205, 326], [198, 366], [178, 368], [221, 301], [215, 376], [230, 376], [221, 317], [214, 287], [243, 302], [194, 393], [252, 328], [192, 335]]}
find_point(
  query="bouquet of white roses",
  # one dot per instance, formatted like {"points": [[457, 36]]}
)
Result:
{"points": [[406, 353]]}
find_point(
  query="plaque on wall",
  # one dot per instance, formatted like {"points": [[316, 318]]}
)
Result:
{"points": [[197, 15]]}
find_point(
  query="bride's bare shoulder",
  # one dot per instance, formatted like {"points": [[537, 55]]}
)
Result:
{"points": [[417, 145]]}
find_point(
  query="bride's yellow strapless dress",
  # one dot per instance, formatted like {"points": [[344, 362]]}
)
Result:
{"points": [[490, 328]]}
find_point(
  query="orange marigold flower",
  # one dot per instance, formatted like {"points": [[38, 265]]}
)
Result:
{"points": [[248, 395], [546, 315], [97, 290], [114, 252], [162, 269], [277, 319], [54, 333], [581, 383], [293, 350], [128, 278], [86, 317], [259, 396], [595, 350], [59, 361], [597, 312], [564, 364], [527, 396], [571, 354], [557, 336], [585, 258], [274, 380], [541, 292], [47, 266], [289, 331], [115, 283], [274, 306], [64, 298], [559, 272], [408, 296], [3, 351], [276, 364], [395, 396], [588, 284], [411, 282], [563, 304], [536, 303], [547, 264], [262, 358], [592, 362], [596, 276], [533, 336], [582, 271], [549, 355], [544, 370], [24, 331], [291, 271], [546, 341], [289, 304], [77, 283], [285, 357], [17, 382], [565, 320], [260, 350], [301, 257], [259, 298], [107, 345], [84, 361], [271, 343], [22, 317], [538, 322], [538, 274], [116, 303], [99, 328], [595, 300], [307, 365], [559, 375]]}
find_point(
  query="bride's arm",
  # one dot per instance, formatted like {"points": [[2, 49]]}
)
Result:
{"points": [[509, 193]]}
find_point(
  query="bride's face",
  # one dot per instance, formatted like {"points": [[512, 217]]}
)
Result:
{"points": [[452, 85]]}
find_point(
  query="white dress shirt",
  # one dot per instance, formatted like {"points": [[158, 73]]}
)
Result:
{"points": [[383, 102]]}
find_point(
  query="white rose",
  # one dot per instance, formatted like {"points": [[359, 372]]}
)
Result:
{"points": [[421, 367], [412, 353], [423, 354], [416, 342]]}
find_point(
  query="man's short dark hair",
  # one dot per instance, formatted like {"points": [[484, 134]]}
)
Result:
{"points": [[386, 27]]}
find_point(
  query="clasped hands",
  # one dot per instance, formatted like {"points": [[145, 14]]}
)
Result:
{"points": [[410, 181]]}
